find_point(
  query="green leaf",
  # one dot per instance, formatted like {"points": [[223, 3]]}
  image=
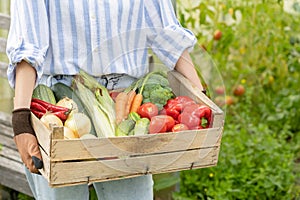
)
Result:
{"points": [[165, 182]]}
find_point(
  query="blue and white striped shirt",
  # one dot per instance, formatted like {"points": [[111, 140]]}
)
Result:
{"points": [[99, 36]]}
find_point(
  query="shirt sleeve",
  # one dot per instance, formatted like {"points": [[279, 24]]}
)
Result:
{"points": [[28, 37], [167, 38]]}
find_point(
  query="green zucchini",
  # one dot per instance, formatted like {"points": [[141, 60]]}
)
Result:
{"points": [[44, 93]]}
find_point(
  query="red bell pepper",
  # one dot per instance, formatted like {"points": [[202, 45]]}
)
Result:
{"points": [[175, 106], [196, 116]]}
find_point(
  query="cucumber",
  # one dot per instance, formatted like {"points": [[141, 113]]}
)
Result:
{"points": [[61, 90], [44, 93]]}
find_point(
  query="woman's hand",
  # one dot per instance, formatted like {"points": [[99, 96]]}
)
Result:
{"points": [[186, 67], [25, 138]]}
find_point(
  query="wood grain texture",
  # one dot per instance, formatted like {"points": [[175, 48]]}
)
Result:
{"points": [[65, 150], [68, 173]]}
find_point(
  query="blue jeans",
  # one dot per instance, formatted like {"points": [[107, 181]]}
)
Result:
{"points": [[137, 188]]}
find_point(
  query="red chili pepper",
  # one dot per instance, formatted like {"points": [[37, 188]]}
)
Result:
{"points": [[61, 115], [49, 106], [37, 113], [37, 106]]}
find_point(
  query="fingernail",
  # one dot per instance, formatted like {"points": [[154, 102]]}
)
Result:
{"points": [[37, 162]]}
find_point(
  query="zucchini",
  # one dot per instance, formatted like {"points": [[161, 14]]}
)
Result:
{"points": [[44, 93], [61, 90], [125, 127]]}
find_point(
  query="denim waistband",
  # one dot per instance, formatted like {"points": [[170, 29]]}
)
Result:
{"points": [[110, 81]]}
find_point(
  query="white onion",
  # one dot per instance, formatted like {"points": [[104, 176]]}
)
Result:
{"points": [[66, 102], [79, 123], [69, 134], [52, 119]]}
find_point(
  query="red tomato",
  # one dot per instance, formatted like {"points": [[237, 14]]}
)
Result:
{"points": [[239, 90], [161, 124], [148, 110], [179, 127], [217, 35], [169, 121]]}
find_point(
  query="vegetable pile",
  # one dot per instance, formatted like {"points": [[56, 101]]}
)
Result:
{"points": [[88, 110]]}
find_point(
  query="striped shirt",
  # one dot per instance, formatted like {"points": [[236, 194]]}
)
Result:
{"points": [[59, 37]]}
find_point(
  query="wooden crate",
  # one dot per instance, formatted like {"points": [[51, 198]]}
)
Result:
{"points": [[71, 162]]}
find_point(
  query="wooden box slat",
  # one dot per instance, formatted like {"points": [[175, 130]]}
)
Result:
{"points": [[92, 171], [71, 162], [5, 21], [130, 146]]}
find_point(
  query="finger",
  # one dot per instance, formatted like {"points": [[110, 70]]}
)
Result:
{"points": [[27, 160], [32, 168], [33, 148], [35, 158]]}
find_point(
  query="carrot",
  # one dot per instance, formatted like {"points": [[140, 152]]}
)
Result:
{"points": [[120, 105], [138, 99], [137, 102], [131, 94]]}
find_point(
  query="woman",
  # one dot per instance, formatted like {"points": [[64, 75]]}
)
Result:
{"points": [[51, 40]]}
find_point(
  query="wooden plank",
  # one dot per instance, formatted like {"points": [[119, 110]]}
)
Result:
{"points": [[3, 69], [12, 164], [5, 119], [2, 72], [10, 153], [182, 86], [65, 173], [12, 175], [43, 134], [46, 168], [5, 21], [2, 45], [134, 145], [8, 141], [7, 131]]}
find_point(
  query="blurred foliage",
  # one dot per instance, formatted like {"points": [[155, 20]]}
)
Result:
{"points": [[260, 50]]}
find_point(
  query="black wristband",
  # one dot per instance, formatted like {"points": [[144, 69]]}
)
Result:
{"points": [[21, 121], [204, 91]]}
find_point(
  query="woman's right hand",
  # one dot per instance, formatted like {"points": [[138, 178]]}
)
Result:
{"points": [[25, 139]]}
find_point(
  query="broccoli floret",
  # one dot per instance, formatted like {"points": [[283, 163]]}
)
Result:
{"points": [[160, 96], [155, 89]]}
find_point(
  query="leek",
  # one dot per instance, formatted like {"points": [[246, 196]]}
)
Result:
{"points": [[100, 118]]}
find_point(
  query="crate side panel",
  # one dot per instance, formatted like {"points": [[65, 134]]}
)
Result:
{"points": [[92, 171], [43, 134], [182, 86], [63, 150], [45, 171]]}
